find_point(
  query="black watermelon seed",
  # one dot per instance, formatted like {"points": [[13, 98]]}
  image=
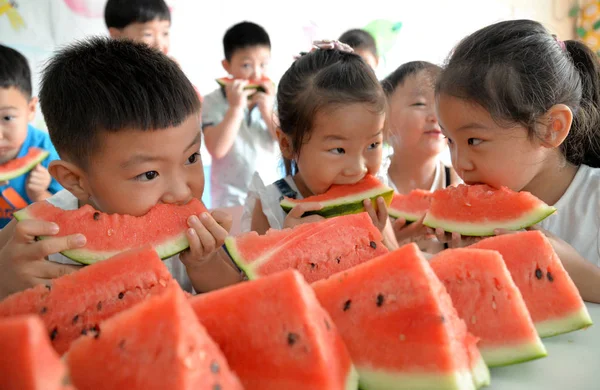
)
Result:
{"points": [[99, 306], [292, 338], [49, 287], [380, 300], [121, 295], [122, 344], [75, 319], [373, 244], [44, 310], [54, 333], [312, 265], [538, 273], [338, 260], [214, 367], [96, 216], [96, 329], [347, 304], [327, 324], [84, 331], [217, 386], [550, 277], [442, 319]]}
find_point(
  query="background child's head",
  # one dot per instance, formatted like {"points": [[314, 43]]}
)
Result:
{"points": [[363, 44], [17, 107], [331, 111], [125, 122], [147, 21], [247, 51], [511, 95], [412, 123]]}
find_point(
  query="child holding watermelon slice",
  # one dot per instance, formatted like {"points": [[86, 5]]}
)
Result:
{"points": [[331, 114], [128, 141], [521, 109]]}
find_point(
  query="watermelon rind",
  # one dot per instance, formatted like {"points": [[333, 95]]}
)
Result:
{"points": [[578, 320], [238, 259], [507, 355], [480, 374], [26, 168], [480, 229], [375, 380], [408, 217], [351, 204], [223, 82], [352, 380]]}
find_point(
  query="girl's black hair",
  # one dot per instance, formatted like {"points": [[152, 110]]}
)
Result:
{"points": [[397, 77], [318, 80], [360, 39], [517, 71]]}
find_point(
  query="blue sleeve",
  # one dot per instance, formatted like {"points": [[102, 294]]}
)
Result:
{"points": [[47, 145]]}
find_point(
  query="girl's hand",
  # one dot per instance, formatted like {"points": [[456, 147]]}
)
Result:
{"points": [[295, 218], [380, 217], [412, 232], [454, 239]]}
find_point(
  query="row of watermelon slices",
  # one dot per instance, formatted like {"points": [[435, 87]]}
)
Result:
{"points": [[393, 318]]}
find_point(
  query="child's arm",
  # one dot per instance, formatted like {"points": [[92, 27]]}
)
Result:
{"points": [[23, 261], [37, 184], [220, 138], [208, 266]]}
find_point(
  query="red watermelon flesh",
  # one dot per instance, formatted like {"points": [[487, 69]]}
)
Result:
{"points": [[77, 303], [317, 250], [400, 327], [490, 303], [163, 227], [158, 344], [19, 166], [411, 206], [276, 336], [549, 293], [27, 361], [478, 210]]}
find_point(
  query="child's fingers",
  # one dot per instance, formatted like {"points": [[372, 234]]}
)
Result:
{"points": [[371, 211], [26, 231], [399, 224], [44, 248], [195, 244], [298, 210], [441, 235], [204, 235], [382, 211], [216, 231], [47, 270], [224, 219]]}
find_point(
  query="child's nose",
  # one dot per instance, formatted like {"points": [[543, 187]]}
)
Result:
{"points": [[460, 160], [355, 168], [178, 193]]}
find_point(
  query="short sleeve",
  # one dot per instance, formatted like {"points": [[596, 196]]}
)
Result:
{"points": [[214, 108]]}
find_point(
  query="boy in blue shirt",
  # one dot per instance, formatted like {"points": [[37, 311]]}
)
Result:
{"points": [[17, 109]]}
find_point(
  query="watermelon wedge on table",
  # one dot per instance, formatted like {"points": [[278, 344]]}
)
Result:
{"points": [[478, 210], [158, 344], [317, 250], [487, 299], [19, 166], [75, 304], [344, 199], [163, 227], [549, 293], [27, 360], [276, 336], [400, 327], [252, 84], [411, 206]]}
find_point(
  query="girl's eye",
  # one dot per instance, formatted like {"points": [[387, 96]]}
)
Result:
{"points": [[419, 104], [474, 141], [8, 118], [450, 142], [246, 66], [374, 145], [194, 158], [147, 176], [337, 151]]}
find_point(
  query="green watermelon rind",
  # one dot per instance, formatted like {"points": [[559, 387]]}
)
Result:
{"points": [[26, 168], [578, 320], [481, 374], [84, 256], [409, 217], [238, 259], [514, 354], [352, 380], [351, 204], [257, 87], [481, 229], [372, 380]]}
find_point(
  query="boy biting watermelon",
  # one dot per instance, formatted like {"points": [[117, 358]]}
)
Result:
{"points": [[126, 123]]}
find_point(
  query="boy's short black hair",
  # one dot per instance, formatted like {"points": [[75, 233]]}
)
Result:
{"points": [[101, 84], [122, 13], [14, 71], [242, 35], [360, 40]]}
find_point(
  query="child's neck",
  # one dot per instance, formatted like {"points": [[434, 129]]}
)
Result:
{"points": [[409, 171], [302, 187], [552, 181]]}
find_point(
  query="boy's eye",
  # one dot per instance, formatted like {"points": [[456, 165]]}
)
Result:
{"points": [[246, 66], [147, 176], [419, 104], [474, 141], [8, 118], [337, 151], [194, 158], [374, 145]]}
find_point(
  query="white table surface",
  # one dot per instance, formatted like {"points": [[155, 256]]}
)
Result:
{"points": [[573, 363]]}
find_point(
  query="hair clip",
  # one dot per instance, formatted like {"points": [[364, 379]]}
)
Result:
{"points": [[327, 44], [560, 43]]}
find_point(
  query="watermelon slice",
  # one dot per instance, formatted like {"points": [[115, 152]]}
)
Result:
{"points": [[20, 166], [549, 293], [400, 327], [163, 227], [344, 199], [27, 361], [490, 303], [77, 303], [276, 336], [252, 84], [411, 206], [317, 250], [478, 210], [158, 344]]}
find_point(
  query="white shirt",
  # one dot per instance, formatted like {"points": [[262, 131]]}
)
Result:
{"points": [[577, 220], [254, 149], [439, 179], [67, 201]]}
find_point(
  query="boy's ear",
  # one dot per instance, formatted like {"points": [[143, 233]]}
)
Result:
{"points": [[557, 125], [71, 177], [226, 66], [285, 144], [31, 107], [114, 32]]}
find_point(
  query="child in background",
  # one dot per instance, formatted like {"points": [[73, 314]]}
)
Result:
{"points": [[331, 114], [521, 109], [363, 44], [238, 124], [414, 133], [125, 121], [17, 109]]}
